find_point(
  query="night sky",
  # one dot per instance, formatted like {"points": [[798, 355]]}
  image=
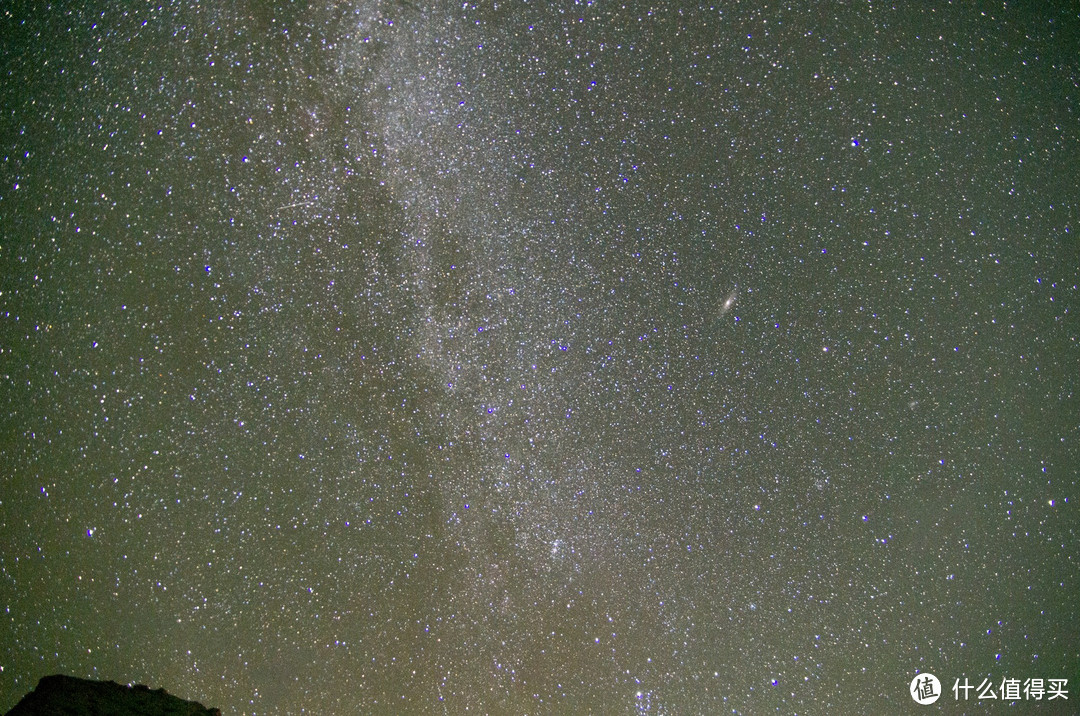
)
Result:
{"points": [[383, 357]]}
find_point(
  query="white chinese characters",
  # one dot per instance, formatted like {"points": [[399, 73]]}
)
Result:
{"points": [[1012, 689]]}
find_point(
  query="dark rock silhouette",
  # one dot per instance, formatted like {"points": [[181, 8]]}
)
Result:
{"points": [[60, 695]]}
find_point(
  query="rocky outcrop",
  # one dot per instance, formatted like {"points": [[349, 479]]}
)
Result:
{"points": [[68, 696]]}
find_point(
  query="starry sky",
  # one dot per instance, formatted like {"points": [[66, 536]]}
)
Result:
{"points": [[409, 357]]}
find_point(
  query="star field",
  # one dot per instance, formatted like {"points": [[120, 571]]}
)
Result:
{"points": [[395, 357]]}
